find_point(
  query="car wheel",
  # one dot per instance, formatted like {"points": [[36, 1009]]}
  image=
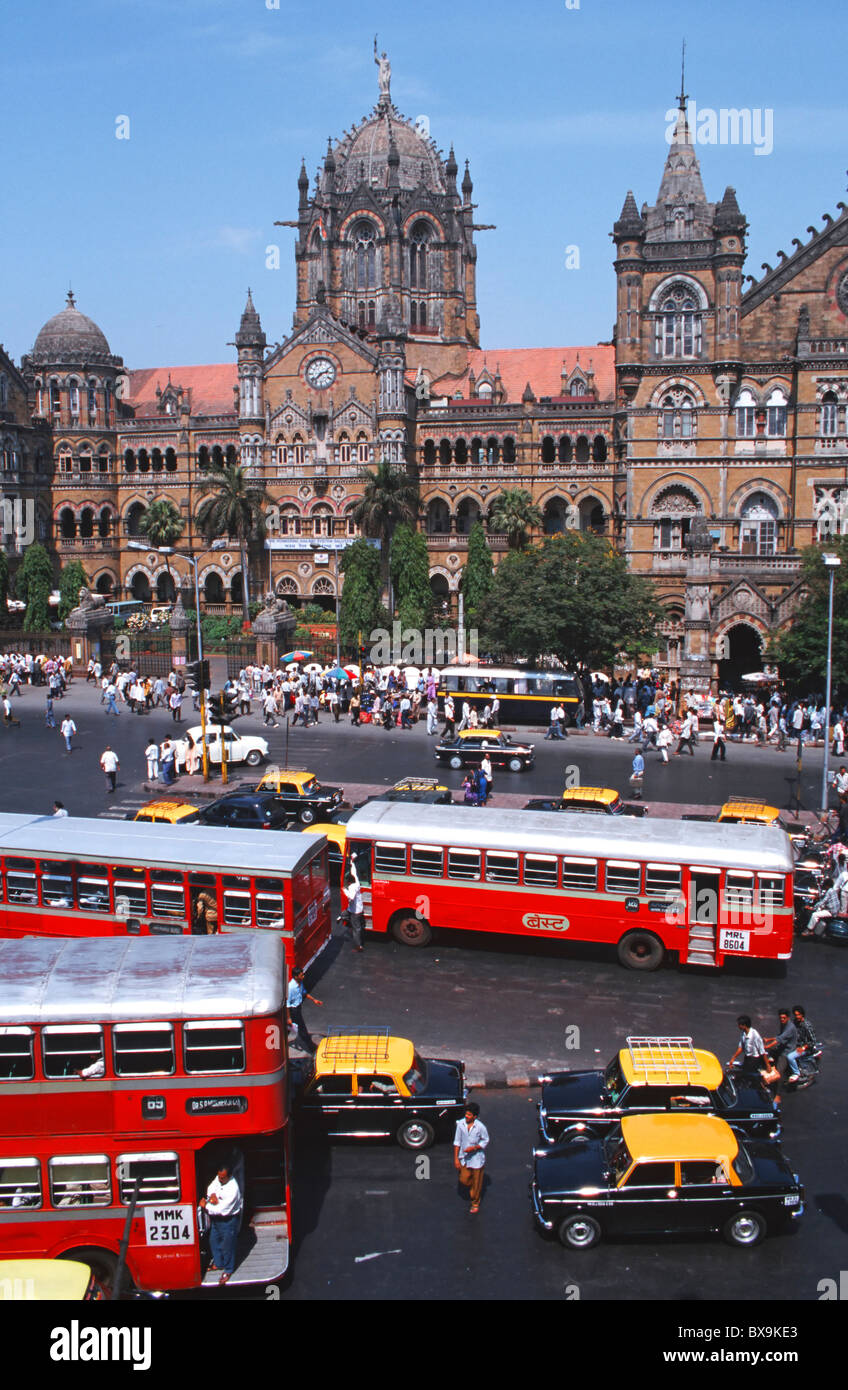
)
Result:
{"points": [[253, 758], [411, 930], [515, 765], [415, 1134], [640, 950], [575, 1132], [307, 815], [579, 1232], [746, 1228], [456, 763]]}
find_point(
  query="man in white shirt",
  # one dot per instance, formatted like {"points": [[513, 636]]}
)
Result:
{"points": [[110, 764], [469, 1152], [355, 909], [223, 1206], [151, 753], [94, 1069], [68, 729]]}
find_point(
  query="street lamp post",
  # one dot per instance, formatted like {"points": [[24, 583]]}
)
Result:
{"points": [[832, 563], [316, 545]]}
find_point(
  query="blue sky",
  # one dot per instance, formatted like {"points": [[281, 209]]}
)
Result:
{"points": [[560, 110]]}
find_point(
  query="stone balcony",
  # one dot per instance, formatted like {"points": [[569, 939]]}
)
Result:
{"points": [[768, 566], [88, 543], [453, 541]]}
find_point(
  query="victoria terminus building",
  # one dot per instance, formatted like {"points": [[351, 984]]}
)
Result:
{"points": [[707, 439]]}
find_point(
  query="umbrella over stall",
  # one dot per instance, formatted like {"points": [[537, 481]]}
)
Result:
{"points": [[295, 656]]}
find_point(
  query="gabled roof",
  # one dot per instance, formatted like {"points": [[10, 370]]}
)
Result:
{"points": [[541, 367], [210, 388]]}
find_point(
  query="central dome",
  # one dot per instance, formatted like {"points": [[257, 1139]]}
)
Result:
{"points": [[362, 156], [70, 337]]}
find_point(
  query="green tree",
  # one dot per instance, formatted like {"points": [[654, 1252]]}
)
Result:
{"points": [[234, 508], [515, 515], [162, 524], [390, 498], [410, 570], [572, 597], [34, 582], [478, 575], [71, 580], [360, 610], [801, 650]]}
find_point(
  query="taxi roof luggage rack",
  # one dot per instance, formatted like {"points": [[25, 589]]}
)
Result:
{"points": [[663, 1054], [357, 1045]]}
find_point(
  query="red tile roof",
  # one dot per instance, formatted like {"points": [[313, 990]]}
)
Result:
{"points": [[210, 388], [542, 367]]}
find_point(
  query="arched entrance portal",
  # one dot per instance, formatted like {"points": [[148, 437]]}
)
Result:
{"points": [[743, 646]]}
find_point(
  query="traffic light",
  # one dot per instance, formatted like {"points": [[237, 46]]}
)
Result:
{"points": [[197, 673], [216, 709], [231, 705], [362, 655]]}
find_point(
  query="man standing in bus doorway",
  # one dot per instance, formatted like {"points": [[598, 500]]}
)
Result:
{"points": [[355, 908], [223, 1204], [469, 1153], [294, 1003]]}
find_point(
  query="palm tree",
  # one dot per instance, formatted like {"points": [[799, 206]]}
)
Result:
{"points": [[163, 525], [234, 509], [390, 497], [515, 513]]}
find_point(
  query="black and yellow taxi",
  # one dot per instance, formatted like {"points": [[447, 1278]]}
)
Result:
{"points": [[300, 794], [166, 811], [653, 1076], [657, 1175], [375, 1086], [427, 791], [745, 810], [48, 1281], [598, 801], [469, 747]]}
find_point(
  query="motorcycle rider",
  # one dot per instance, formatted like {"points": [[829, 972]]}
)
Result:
{"points": [[807, 1044], [785, 1043], [827, 906]]}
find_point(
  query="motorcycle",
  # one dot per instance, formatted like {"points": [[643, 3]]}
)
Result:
{"points": [[809, 1066], [807, 891]]}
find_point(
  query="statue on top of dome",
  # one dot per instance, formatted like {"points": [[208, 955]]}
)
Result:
{"points": [[385, 75]]}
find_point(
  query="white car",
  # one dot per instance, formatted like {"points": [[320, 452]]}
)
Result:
{"points": [[241, 748]]}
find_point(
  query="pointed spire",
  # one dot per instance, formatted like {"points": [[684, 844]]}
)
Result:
{"points": [[681, 180], [467, 185], [629, 222], [451, 167], [728, 216], [250, 329], [302, 187]]}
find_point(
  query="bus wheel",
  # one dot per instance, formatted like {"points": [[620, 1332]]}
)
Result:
{"points": [[415, 1134], [640, 950], [410, 930], [102, 1263]]}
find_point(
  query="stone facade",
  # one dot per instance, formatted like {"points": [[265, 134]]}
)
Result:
{"points": [[717, 413]]}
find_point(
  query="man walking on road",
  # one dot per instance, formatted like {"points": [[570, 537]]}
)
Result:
{"points": [[750, 1046], [469, 1153], [110, 764], [68, 729], [109, 694], [151, 753], [294, 1003], [718, 741]]}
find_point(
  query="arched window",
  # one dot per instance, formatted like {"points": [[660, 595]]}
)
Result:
{"points": [[599, 449], [438, 517], [829, 414], [554, 516], [289, 521], [213, 588], [493, 451], [776, 411], [746, 415], [366, 255], [73, 397], [577, 387], [296, 452], [484, 390], [156, 460], [92, 402], [581, 451], [678, 323], [460, 453], [418, 256], [85, 460], [203, 458], [103, 460], [444, 453], [86, 528], [677, 415], [758, 528], [509, 449], [351, 528], [67, 524], [467, 513], [143, 461], [133, 519], [363, 450], [565, 451], [65, 460], [428, 456], [104, 523], [55, 398], [170, 461], [345, 448], [673, 511], [548, 450], [322, 521]]}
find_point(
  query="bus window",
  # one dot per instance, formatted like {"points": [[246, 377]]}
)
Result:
{"points": [[662, 879], [739, 890], [237, 909], [131, 895], [213, 1046], [540, 870], [519, 685], [68, 1047], [566, 689], [623, 876], [17, 1062], [772, 890], [80, 1181], [270, 903], [167, 894], [21, 881], [388, 858], [157, 1177], [580, 873], [143, 1049], [426, 861], [501, 866], [464, 863], [93, 888], [20, 1182], [57, 884]]}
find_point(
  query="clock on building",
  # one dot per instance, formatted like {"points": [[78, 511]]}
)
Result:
{"points": [[320, 373]]}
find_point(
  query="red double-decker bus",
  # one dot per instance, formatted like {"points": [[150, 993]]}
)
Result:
{"points": [[68, 876], [182, 1046], [702, 891]]}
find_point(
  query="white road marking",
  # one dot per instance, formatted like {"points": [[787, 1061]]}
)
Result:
{"points": [[375, 1255]]}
